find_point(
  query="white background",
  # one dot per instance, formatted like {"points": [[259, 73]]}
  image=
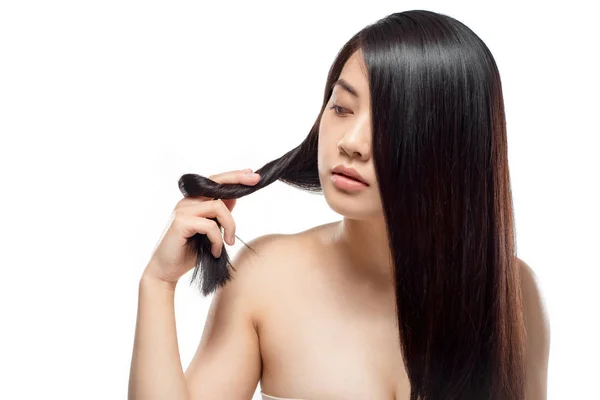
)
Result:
{"points": [[105, 104]]}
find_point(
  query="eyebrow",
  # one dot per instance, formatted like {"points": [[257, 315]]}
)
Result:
{"points": [[346, 86]]}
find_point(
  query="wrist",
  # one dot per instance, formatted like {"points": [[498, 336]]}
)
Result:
{"points": [[148, 279]]}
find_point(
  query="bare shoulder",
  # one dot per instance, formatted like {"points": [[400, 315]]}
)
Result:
{"points": [[227, 363], [536, 313], [537, 324], [278, 251], [267, 263], [267, 252], [256, 260]]}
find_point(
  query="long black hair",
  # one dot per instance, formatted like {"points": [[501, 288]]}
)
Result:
{"points": [[440, 155]]}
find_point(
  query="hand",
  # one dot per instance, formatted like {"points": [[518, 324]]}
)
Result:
{"points": [[172, 258]]}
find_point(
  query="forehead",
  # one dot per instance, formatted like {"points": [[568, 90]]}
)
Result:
{"points": [[354, 73]]}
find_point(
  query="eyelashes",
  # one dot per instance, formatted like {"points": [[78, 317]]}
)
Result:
{"points": [[337, 109]]}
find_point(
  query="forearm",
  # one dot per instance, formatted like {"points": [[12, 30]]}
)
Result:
{"points": [[156, 371]]}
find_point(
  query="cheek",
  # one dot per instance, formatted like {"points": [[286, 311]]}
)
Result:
{"points": [[327, 144], [327, 135], [325, 149]]}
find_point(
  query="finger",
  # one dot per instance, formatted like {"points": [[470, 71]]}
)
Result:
{"points": [[235, 171], [189, 225], [213, 233], [215, 209], [192, 210], [225, 178], [190, 201], [238, 176]]}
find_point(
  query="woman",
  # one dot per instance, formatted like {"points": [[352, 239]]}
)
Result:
{"points": [[415, 294]]}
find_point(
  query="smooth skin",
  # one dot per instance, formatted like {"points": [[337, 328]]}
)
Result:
{"points": [[156, 371], [338, 342], [312, 314]]}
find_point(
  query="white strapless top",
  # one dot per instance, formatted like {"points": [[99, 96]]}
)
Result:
{"points": [[267, 397]]}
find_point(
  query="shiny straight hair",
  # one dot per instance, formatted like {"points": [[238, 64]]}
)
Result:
{"points": [[440, 156]]}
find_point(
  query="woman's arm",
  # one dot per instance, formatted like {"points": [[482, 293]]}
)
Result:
{"points": [[227, 363], [537, 324], [156, 371]]}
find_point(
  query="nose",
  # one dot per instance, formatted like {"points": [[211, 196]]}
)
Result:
{"points": [[356, 140]]}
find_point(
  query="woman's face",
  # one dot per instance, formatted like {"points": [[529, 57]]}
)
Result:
{"points": [[345, 139]]}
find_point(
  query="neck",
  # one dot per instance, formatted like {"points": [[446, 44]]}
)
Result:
{"points": [[364, 247]]}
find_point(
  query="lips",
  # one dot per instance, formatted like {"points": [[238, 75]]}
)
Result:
{"points": [[347, 184], [349, 173], [348, 176]]}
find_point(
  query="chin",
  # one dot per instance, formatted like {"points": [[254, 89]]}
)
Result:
{"points": [[351, 205]]}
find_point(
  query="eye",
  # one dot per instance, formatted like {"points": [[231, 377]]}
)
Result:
{"points": [[337, 109]]}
